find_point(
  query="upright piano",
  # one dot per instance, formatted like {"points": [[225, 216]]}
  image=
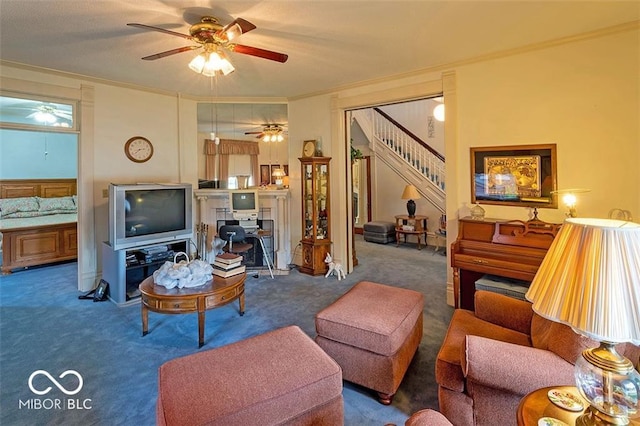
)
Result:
{"points": [[511, 249]]}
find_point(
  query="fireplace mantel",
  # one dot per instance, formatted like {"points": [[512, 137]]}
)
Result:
{"points": [[213, 205]]}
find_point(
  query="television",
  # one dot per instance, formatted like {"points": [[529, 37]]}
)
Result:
{"points": [[244, 204], [143, 214]]}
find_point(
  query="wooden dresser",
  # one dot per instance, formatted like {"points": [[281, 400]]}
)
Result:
{"points": [[512, 249]]}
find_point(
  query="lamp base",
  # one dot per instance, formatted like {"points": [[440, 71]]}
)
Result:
{"points": [[411, 208], [609, 382], [593, 417]]}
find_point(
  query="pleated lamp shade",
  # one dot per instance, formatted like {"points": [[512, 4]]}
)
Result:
{"points": [[590, 279]]}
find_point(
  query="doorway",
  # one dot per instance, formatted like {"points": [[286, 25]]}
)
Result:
{"points": [[378, 179], [361, 187]]}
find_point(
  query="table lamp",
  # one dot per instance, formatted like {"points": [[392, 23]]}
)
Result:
{"points": [[590, 281], [410, 193], [278, 174], [570, 199]]}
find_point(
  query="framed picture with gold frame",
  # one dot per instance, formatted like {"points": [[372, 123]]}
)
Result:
{"points": [[519, 175], [265, 174]]}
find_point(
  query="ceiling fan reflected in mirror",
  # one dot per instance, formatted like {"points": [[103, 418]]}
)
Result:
{"points": [[214, 39], [49, 115], [270, 133]]}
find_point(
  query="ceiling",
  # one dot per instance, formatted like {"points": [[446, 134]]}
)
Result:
{"points": [[330, 44]]}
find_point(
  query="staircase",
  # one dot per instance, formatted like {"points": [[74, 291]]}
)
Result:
{"points": [[411, 158]]}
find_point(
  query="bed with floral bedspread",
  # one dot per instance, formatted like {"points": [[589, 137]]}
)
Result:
{"points": [[38, 222]]}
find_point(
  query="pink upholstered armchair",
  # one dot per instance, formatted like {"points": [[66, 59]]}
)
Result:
{"points": [[493, 357], [427, 417]]}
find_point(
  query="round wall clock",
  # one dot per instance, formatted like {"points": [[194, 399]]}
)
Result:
{"points": [[138, 149]]}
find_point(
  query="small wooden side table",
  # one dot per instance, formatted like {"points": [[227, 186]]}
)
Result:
{"points": [[537, 405], [419, 224], [215, 293]]}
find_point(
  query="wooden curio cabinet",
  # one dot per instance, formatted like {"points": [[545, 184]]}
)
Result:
{"points": [[316, 214]]}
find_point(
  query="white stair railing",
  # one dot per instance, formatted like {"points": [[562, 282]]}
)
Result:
{"points": [[425, 161], [405, 154]]}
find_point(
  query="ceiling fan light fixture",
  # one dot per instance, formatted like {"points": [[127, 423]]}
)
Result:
{"points": [[197, 63], [438, 112], [214, 38], [211, 65], [45, 117], [208, 63], [226, 67], [233, 32], [272, 133]]}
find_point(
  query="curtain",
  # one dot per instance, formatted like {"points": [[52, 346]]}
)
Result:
{"points": [[210, 159], [255, 170], [230, 147]]}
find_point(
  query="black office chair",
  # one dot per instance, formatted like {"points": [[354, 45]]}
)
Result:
{"points": [[235, 236]]}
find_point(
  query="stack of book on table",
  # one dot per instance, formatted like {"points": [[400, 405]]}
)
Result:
{"points": [[227, 265]]}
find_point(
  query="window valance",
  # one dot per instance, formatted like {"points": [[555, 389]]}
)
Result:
{"points": [[232, 147]]}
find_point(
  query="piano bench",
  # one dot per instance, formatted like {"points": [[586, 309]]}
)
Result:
{"points": [[503, 285]]}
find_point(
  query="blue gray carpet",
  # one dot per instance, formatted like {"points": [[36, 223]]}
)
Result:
{"points": [[44, 326]]}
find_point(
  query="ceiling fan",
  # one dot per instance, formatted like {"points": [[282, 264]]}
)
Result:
{"points": [[213, 37], [269, 133], [49, 114]]}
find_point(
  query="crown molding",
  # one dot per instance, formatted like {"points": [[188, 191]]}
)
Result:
{"points": [[603, 32]]}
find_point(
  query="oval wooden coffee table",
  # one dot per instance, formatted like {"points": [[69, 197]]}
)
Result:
{"points": [[215, 293]]}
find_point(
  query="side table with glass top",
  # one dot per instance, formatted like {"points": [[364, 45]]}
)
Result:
{"points": [[537, 405]]}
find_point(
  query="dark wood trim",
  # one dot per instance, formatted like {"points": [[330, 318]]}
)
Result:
{"points": [[368, 157]]}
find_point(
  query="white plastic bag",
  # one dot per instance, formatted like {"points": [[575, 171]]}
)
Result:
{"points": [[184, 273]]}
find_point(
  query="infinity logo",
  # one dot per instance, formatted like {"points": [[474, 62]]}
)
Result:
{"points": [[55, 382]]}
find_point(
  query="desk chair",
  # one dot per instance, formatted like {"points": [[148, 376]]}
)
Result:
{"points": [[235, 236]]}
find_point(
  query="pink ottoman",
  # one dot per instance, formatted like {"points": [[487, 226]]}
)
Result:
{"points": [[373, 332], [281, 377]]}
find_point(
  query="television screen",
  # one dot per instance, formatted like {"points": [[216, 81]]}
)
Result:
{"points": [[144, 214], [244, 204], [243, 201], [153, 211]]}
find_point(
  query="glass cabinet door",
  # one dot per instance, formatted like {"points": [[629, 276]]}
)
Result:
{"points": [[316, 222], [315, 196], [322, 189], [307, 200]]}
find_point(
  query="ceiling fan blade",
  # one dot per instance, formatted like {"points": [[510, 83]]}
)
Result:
{"points": [[170, 52], [261, 53], [236, 28], [62, 114], [252, 133], [162, 30]]}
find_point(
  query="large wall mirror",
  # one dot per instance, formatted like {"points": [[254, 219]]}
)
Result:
{"points": [[265, 124]]}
